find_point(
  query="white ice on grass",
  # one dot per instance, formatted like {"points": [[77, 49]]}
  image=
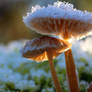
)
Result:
{"points": [[84, 83], [11, 59], [87, 47], [38, 73], [48, 90], [9, 50], [83, 49], [25, 84], [7, 75], [58, 10]]}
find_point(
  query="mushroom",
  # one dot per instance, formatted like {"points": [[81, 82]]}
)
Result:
{"points": [[46, 48], [60, 19], [63, 20]]}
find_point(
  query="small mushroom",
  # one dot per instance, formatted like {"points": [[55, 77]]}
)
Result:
{"points": [[63, 20], [46, 48], [36, 49]]}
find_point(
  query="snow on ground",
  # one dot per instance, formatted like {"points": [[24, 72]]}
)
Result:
{"points": [[26, 74]]}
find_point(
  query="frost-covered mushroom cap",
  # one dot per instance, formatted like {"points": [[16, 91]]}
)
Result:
{"points": [[59, 19], [36, 49]]}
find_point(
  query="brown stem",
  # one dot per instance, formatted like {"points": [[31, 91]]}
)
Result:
{"points": [[53, 72], [71, 72]]}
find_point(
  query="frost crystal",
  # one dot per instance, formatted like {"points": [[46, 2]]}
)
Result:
{"points": [[37, 7], [63, 5]]}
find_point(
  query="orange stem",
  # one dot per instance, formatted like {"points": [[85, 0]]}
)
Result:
{"points": [[71, 72], [53, 72]]}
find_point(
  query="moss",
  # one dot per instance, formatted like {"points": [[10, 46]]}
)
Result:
{"points": [[82, 59], [23, 69], [86, 76]]}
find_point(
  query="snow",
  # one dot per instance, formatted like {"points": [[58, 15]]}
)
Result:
{"points": [[25, 84], [38, 73], [83, 49], [10, 55]]}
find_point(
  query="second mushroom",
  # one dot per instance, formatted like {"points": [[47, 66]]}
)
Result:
{"points": [[46, 48]]}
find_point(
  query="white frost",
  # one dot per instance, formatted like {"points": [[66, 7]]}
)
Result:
{"points": [[10, 56]]}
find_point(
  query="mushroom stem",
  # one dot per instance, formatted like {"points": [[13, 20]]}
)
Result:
{"points": [[71, 72], [53, 72]]}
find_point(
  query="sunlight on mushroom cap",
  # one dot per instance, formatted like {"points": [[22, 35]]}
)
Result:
{"points": [[36, 49], [59, 19]]}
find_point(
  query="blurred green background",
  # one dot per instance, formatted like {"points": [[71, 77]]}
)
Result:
{"points": [[11, 13]]}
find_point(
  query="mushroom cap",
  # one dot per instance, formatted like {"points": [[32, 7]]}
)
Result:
{"points": [[37, 48], [60, 19]]}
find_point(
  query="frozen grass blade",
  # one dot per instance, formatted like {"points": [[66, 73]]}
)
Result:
{"points": [[71, 72]]}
